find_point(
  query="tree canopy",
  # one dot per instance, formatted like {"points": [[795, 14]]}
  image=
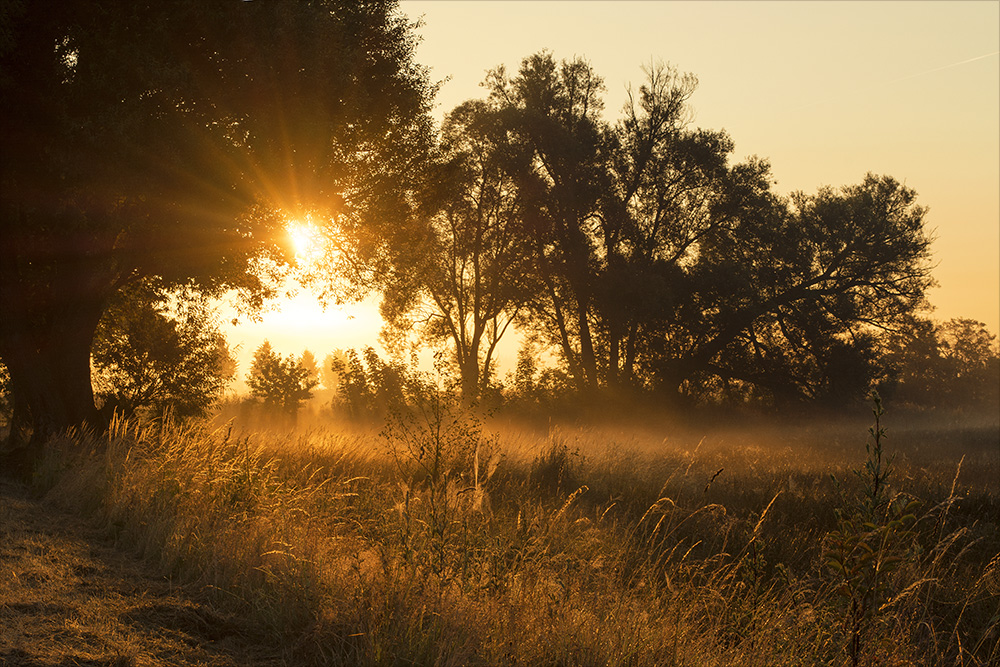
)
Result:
{"points": [[172, 140], [282, 385], [640, 253]]}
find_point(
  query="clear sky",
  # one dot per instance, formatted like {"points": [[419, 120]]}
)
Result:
{"points": [[826, 91]]}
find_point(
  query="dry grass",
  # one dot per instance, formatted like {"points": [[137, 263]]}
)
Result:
{"points": [[442, 544], [69, 598]]}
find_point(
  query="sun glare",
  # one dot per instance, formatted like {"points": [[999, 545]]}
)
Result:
{"points": [[307, 242]]}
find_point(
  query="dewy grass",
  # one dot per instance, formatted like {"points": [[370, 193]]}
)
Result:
{"points": [[442, 543]]}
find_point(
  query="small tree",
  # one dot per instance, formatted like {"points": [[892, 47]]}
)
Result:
{"points": [[329, 372], [353, 392], [149, 356], [308, 362], [281, 384], [369, 386]]}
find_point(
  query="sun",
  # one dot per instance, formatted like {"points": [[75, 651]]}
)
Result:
{"points": [[306, 241]]}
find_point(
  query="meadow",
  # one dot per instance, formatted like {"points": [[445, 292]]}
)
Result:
{"points": [[445, 539]]}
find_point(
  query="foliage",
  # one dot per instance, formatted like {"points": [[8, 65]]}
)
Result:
{"points": [[873, 539], [954, 365], [554, 111], [308, 362], [645, 259], [443, 463], [371, 388], [172, 141], [153, 353], [328, 374], [462, 273], [837, 264], [282, 385], [535, 387]]}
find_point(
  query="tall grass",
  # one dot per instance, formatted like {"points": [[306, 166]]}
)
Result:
{"points": [[440, 542]]}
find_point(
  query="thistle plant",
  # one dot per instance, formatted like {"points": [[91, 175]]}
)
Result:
{"points": [[872, 539]]}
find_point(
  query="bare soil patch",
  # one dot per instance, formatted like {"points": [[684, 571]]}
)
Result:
{"points": [[68, 597]]}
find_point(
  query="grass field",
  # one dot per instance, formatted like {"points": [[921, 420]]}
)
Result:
{"points": [[441, 540]]}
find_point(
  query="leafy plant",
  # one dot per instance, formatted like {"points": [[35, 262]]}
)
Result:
{"points": [[443, 463], [155, 351], [874, 537]]}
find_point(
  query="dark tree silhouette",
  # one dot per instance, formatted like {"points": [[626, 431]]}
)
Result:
{"points": [[790, 283], [554, 110], [464, 273], [952, 365], [282, 385], [660, 264], [666, 180], [973, 356], [370, 387], [149, 357], [166, 140]]}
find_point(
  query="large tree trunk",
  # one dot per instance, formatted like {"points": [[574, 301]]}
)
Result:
{"points": [[468, 369], [50, 383], [588, 357], [45, 343]]}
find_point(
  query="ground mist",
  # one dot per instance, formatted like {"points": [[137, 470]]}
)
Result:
{"points": [[444, 540]]}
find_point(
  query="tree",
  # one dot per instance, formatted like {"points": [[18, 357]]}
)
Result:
{"points": [[282, 385], [554, 111], [617, 211], [952, 365], [666, 182], [661, 264], [535, 387], [372, 387], [968, 344], [973, 355], [308, 362], [171, 140], [787, 283], [329, 375], [150, 355], [464, 276], [353, 390]]}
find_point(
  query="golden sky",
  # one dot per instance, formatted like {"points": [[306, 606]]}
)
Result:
{"points": [[827, 91]]}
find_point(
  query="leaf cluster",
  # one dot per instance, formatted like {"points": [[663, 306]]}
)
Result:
{"points": [[157, 351]]}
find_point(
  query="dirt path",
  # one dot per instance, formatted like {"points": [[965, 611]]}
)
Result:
{"points": [[67, 597]]}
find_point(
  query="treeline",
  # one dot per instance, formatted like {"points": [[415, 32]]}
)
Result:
{"points": [[152, 357], [953, 366], [644, 262], [632, 256]]}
